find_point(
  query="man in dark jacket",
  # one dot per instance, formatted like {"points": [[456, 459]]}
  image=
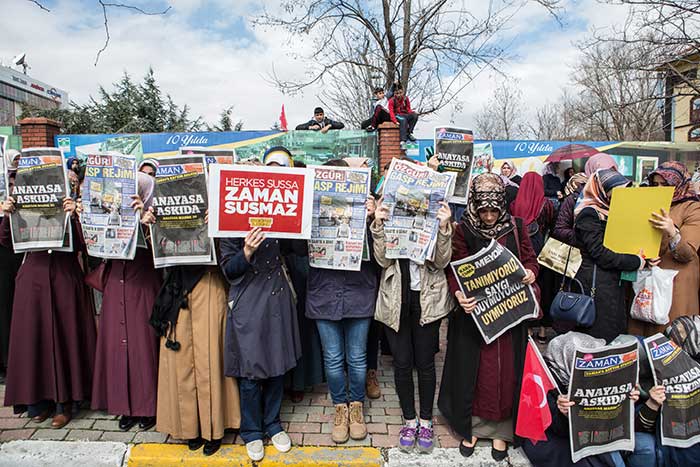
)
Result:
{"points": [[320, 123]]}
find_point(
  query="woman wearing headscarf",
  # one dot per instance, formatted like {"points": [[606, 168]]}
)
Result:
{"points": [[126, 363], [591, 217], [599, 161], [509, 169], [679, 245], [555, 451], [9, 265], [52, 338], [72, 169], [481, 382], [552, 183], [564, 225], [262, 340]]}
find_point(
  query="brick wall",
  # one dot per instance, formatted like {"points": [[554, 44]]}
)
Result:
{"points": [[38, 132], [389, 144]]}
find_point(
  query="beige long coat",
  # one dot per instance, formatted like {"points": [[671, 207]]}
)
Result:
{"points": [[194, 397], [684, 259]]}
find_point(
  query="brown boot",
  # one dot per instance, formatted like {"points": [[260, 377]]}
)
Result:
{"points": [[340, 424], [372, 387], [358, 429]]}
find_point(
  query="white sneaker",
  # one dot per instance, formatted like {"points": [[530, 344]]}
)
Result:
{"points": [[282, 442], [256, 450]]}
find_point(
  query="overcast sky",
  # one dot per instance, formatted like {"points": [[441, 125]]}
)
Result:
{"points": [[207, 54]]}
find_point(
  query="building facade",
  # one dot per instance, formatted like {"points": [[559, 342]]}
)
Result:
{"points": [[682, 103], [17, 88]]}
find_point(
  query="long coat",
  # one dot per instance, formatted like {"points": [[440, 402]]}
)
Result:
{"points": [[9, 265], [262, 331], [684, 259], [610, 310], [126, 364], [52, 338], [474, 370], [194, 397]]}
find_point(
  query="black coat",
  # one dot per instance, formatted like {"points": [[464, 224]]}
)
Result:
{"points": [[326, 121], [552, 185], [611, 311]]}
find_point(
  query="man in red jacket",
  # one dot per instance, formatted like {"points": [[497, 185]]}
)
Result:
{"points": [[401, 113]]}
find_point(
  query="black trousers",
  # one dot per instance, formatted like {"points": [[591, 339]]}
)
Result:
{"points": [[407, 122], [414, 346], [378, 117], [375, 333]]}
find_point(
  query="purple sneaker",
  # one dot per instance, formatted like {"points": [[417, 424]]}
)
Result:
{"points": [[424, 441], [407, 438]]}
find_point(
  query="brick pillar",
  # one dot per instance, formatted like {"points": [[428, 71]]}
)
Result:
{"points": [[389, 144], [39, 132]]}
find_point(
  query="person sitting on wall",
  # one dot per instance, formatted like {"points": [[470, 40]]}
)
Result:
{"points": [[320, 123], [401, 113], [381, 111]]}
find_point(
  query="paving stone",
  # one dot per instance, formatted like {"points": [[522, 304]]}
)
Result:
{"points": [[118, 436], [12, 423], [150, 437], [319, 439], [83, 435], [293, 417], [80, 424], [451, 457], [11, 435], [320, 417], [106, 425], [50, 434], [308, 410], [295, 427], [388, 419]]}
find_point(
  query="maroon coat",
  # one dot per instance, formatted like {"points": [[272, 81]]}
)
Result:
{"points": [[480, 379], [52, 338], [126, 364]]}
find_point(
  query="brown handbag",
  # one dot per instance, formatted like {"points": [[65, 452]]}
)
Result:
{"points": [[97, 278]]}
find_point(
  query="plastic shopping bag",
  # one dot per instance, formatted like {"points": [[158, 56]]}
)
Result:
{"points": [[653, 294]]}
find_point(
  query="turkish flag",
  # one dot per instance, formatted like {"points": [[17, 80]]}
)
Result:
{"points": [[534, 416], [283, 119]]}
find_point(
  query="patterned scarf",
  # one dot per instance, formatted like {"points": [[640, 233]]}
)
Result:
{"points": [[575, 183], [685, 331], [487, 191], [595, 192], [676, 175]]}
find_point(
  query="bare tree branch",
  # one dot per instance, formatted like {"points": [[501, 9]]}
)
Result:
{"points": [[39, 4]]}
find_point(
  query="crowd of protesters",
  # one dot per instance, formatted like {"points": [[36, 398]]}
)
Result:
{"points": [[202, 349]]}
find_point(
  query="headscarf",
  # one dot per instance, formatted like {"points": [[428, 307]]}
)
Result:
{"points": [[646, 379], [599, 161], [509, 163], [549, 169], [575, 183], [487, 191], [357, 162], [528, 204], [11, 160], [145, 187], [150, 161], [69, 162], [508, 182], [676, 175], [279, 155], [595, 192], [560, 354], [685, 332]]}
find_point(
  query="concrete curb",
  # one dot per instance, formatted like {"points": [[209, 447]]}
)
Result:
{"points": [[62, 454], [162, 455], [452, 458]]}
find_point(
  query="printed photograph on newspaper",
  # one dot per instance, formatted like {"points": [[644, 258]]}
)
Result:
{"points": [[39, 221], [338, 226], [108, 220], [211, 155], [413, 194], [180, 233]]}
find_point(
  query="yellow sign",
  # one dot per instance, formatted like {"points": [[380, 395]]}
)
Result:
{"points": [[628, 229]]}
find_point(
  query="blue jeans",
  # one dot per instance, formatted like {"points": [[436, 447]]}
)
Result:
{"points": [[260, 407], [345, 341]]}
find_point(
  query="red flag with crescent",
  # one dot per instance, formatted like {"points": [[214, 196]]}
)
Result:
{"points": [[534, 416]]}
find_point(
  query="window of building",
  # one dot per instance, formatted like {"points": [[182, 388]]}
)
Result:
{"points": [[694, 134], [695, 109]]}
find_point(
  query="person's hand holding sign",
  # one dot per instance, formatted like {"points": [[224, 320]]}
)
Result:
{"points": [[664, 223], [529, 278], [252, 241], [8, 206], [444, 214], [148, 217], [381, 214], [69, 205], [563, 404], [467, 304]]}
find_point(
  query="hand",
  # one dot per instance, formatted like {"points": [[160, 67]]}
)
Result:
{"points": [[563, 404], [325, 129], [444, 214], [642, 259], [370, 205], [315, 127], [657, 396], [529, 278], [634, 394], [653, 261], [148, 217], [434, 162], [8, 206], [79, 207], [560, 195], [252, 241], [381, 213], [664, 223], [137, 203], [467, 304], [68, 205]]}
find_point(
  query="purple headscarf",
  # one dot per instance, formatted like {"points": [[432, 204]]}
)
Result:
{"points": [[145, 187], [599, 161]]}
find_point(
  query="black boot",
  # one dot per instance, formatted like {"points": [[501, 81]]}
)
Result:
{"points": [[146, 423], [126, 422], [210, 447], [195, 443]]}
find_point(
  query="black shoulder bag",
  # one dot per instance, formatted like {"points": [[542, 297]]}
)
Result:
{"points": [[574, 307]]}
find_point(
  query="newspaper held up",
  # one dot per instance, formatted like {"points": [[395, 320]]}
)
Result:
{"points": [[39, 221], [108, 220], [674, 369], [338, 226], [179, 235], [494, 277], [413, 194], [454, 148], [211, 155], [602, 418]]}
